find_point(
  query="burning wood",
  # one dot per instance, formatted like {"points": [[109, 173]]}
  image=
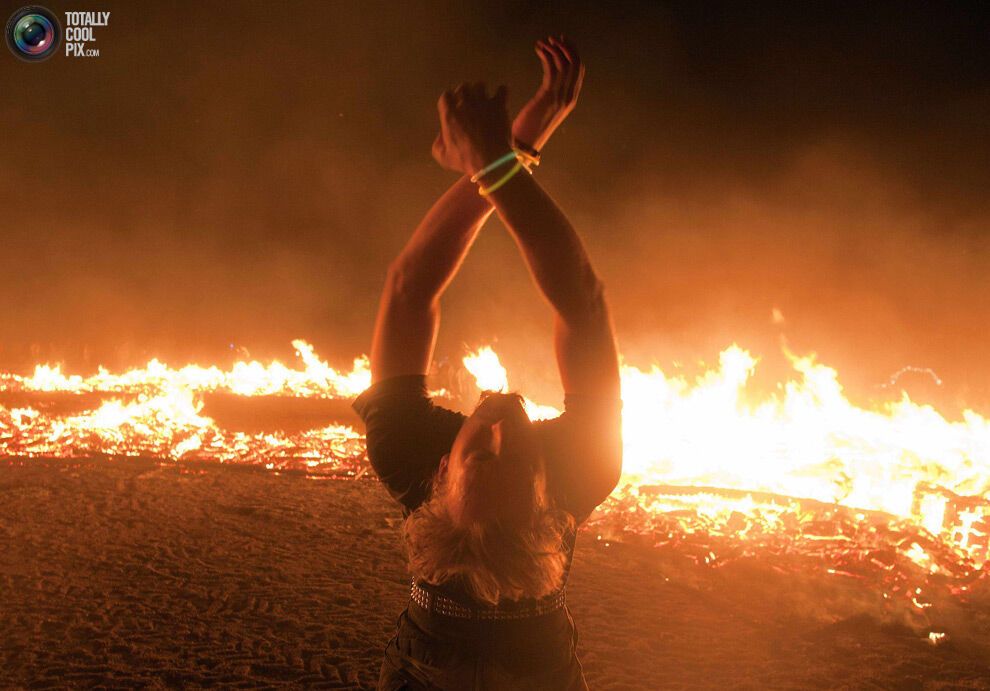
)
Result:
{"points": [[897, 495]]}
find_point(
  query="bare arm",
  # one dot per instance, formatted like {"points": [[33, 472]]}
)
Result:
{"points": [[475, 131], [583, 340], [583, 333], [409, 310]]}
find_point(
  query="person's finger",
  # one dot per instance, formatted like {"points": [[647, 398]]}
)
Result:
{"points": [[545, 54], [541, 54], [571, 49], [547, 67], [559, 61], [575, 69], [558, 48], [572, 76], [575, 88], [573, 80], [562, 49], [546, 60]]}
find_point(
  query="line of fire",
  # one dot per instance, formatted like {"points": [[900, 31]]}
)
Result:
{"points": [[894, 495]]}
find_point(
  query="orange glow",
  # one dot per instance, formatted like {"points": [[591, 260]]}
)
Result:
{"points": [[157, 412], [896, 494], [896, 488]]}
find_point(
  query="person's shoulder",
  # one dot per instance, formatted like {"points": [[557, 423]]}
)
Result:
{"points": [[581, 409], [582, 449], [403, 386]]}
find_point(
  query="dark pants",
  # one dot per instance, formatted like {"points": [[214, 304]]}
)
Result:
{"points": [[434, 652]]}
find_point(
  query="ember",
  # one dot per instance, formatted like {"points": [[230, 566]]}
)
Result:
{"points": [[157, 412], [897, 496]]}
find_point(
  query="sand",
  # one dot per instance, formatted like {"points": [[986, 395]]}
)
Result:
{"points": [[129, 574]]}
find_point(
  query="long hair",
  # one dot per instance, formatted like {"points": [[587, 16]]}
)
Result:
{"points": [[491, 560]]}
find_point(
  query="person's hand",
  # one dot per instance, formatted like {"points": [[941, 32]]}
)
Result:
{"points": [[474, 128], [563, 74]]}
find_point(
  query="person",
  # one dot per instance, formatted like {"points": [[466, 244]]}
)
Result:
{"points": [[492, 500]]}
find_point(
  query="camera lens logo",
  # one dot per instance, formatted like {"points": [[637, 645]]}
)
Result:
{"points": [[33, 33]]}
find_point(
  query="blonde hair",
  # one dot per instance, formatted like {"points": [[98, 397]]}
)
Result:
{"points": [[491, 560]]}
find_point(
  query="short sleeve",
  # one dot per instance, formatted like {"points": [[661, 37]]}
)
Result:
{"points": [[406, 434], [583, 452]]}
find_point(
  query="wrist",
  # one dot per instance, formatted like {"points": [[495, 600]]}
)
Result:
{"points": [[537, 139], [485, 155], [515, 170]]}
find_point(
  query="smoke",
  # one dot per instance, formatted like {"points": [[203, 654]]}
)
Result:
{"points": [[222, 179]]}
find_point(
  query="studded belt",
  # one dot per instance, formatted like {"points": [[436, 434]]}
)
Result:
{"points": [[436, 603]]}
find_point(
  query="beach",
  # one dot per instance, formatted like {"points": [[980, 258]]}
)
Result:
{"points": [[139, 575]]}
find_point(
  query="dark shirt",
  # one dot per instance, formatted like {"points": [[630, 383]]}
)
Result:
{"points": [[407, 435]]}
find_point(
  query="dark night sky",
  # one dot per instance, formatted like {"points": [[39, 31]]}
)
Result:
{"points": [[242, 173]]}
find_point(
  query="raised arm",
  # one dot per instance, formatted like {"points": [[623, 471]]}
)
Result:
{"points": [[583, 334], [409, 310], [476, 132]]}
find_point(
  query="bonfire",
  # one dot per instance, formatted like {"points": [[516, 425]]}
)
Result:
{"points": [[897, 495]]}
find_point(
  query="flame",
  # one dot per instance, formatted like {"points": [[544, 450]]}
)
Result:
{"points": [[245, 378], [156, 411], [489, 375], [809, 442], [895, 492]]}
